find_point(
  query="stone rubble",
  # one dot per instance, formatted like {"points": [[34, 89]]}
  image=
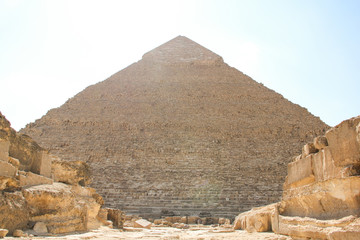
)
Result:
{"points": [[321, 197], [40, 193]]}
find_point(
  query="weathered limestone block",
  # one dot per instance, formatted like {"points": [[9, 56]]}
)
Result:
{"points": [[116, 216], [331, 199], [142, 223], [43, 165], [62, 208], [9, 183], [324, 167], [14, 162], [320, 142], [256, 220], [32, 179], [308, 149], [4, 149], [346, 228], [71, 172], [344, 142], [14, 211], [7, 169], [300, 173], [26, 150]]}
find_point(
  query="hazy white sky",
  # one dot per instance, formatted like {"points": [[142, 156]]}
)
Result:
{"points": [[306, 50]]}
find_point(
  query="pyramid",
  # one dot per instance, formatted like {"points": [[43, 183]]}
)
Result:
{"points": [[180, 133]]}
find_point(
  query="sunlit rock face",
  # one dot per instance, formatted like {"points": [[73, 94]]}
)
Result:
{"points": [[180, 132], [321, 198], [325, 183], [31, 195]]}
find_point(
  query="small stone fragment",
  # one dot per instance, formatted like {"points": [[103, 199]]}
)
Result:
{"points": [[40, 227], [320, 142], [142, 223], [19, 233], [3, 232]]}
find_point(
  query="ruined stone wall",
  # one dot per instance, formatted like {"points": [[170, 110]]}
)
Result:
{"points": [[180, 131], [323, 181]]}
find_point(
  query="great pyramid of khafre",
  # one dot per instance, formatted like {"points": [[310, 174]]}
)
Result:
{"points": [[180, 132]]}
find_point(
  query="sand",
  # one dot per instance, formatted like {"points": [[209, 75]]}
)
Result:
{"points": [[167, 233]]}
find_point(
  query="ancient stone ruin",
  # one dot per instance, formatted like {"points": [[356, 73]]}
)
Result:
{"points": [[321, 197], [41, 193], [180, 133]]}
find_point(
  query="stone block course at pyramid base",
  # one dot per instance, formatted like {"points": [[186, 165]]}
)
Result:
{"points": [[180, 132]]}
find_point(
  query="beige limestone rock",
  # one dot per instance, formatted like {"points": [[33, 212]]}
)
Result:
{"points": [[63, 208], [71, 172], [308, 148], [15, 162], [14, 212], [256, 220], [40, 228], [4, 149], [320, 142], [346, 228], [19, 233], [9, 184], [300, 172], [3, 233], [325, 184], [142, 223], [116, 216], [43, 165], [343, 142], [7, 169], [31, 179]]}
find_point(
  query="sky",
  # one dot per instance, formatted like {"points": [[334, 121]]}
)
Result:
{"points": [[306, 50]]}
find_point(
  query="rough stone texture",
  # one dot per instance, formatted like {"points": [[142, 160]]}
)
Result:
{"points": [[180, 130], [325, 184], [142, 223], [3, 233], [256, 220], [321, 198], [28, 195], [7, 169], [62, 208], [346, 228], [14, 213], [31, 179], [71, 172], [19, 233], [4, 150], [116, 216], [43, 166], [40, 228]]}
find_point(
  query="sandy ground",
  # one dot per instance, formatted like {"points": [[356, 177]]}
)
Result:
{"points": [[195, 232]]}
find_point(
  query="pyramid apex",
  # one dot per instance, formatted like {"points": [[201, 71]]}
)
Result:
{"points": [[182, 50]]}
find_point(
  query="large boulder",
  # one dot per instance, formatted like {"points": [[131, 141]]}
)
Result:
{"points": [[14, 212], [62, 208], [256, 220], [71, 172]]}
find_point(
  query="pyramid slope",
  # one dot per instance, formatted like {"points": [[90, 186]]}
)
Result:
{"points": [[181, 50], [187, 137]]}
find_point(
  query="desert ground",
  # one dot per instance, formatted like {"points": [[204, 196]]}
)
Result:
{"points": [[166, 233]]}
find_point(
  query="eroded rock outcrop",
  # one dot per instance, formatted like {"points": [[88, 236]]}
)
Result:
{"points": [[31, 194], [321, 197]]}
